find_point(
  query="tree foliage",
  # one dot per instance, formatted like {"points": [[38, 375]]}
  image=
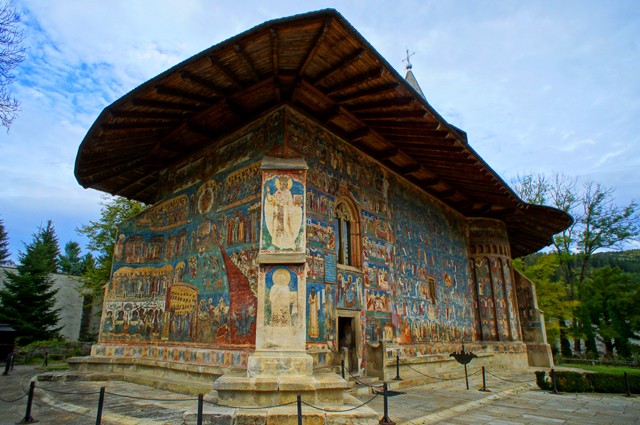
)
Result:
{"points": [[612, 303], [599, 224], [71, 262], [102, 238], [11, 56], [27, 302], [4, 245]]}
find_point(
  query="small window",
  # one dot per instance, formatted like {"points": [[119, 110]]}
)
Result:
{"points": [[347, 238]]}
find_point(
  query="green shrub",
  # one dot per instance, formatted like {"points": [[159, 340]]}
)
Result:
{"points": [[542, 381], [576, 382], [573, 382]]}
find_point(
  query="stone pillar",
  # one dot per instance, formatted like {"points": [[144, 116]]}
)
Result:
{"points": [[279, 369]]}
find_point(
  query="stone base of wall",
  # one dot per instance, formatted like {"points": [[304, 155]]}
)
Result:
{"points": [[540, 355], [429, 367]]}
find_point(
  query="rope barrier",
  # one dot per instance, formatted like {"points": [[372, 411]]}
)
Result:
{"points": [[508, 380], [343, 410], [252, 408]]}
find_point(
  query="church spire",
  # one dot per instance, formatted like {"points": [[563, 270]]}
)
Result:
{"points": [[409, 77]]}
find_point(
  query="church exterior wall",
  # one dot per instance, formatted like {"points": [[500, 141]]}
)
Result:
{"points": [[185, 275]]}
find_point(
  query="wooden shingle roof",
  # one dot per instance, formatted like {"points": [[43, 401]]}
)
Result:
{"points": [[318, 63]]}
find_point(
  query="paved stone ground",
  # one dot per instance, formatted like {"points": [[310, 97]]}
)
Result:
{"points": [[513, 399]]}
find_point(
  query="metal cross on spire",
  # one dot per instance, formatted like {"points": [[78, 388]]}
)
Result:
{"points": [[407, 59]]}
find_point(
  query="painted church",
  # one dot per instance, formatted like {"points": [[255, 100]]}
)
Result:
{"points": [[305, 197]]}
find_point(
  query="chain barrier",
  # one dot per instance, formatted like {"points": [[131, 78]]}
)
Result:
{"points": [[437, 377], [66, 392], [343, 410], [508, 380], [150, 399], [14, 400], [355, 378], [252, 408]]}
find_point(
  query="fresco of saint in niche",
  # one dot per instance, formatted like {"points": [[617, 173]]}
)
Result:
{"points": [[282, 285], [283, 213]]}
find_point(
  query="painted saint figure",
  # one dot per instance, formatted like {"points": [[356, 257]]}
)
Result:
{"points": [[314, 307], [280, 297], [283, 216]]}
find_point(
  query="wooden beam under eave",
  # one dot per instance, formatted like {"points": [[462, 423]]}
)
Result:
{"points": [[98, 175], [160, 104], [148, 115], [128, 185], [247, 61], [385, 153], [182, 94], [380, 104], [358, 134], [357, 94], [344, 62], [136, 125], [373, 117], [316, 45], [355, 81], [414, 127], [275, 62], [225, 71], [401, 133], [409, 169], [204, 83]]}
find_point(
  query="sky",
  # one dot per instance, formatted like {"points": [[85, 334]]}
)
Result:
{"points": [[539, 86]]}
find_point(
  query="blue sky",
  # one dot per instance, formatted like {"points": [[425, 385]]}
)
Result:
{"points": [[539, 86]]}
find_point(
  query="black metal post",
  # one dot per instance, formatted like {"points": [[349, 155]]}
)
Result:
{"points": [[397, 378], [200, 404], [100, 405], [28, 419], [299, 400], [626, 383], [554, 382], [466, 376], [343, 369], [46, 359], [484, 381], [385, 419]]}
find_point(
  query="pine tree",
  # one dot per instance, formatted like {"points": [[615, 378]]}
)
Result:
{"points": [[4, 245], [70, 262], [27, 302]]}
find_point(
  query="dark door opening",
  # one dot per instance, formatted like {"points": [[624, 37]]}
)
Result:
{"points": [[347, 339]]}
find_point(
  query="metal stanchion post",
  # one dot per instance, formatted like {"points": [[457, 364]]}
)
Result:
{"points": [[299, 400], [626, 383], [385, 419], [28, 419], [554, 382], [397, 378], [200, 404], [484, 381], [466, 376], [100, 405], [343, 369]]}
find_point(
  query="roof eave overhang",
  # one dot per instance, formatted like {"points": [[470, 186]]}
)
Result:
{"points": [[319, 63]]}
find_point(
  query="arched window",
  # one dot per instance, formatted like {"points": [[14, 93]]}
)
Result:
{"points": [[348, 234]]}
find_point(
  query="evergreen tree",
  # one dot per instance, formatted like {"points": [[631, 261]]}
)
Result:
{"points": [[70, 262], [4, 245], [27, 301]]}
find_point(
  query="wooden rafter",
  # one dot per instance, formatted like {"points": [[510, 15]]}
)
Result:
{"points": [[205, 83], [226, 72], [183, 94], [247, 61], [316, 45], [343, 63]]}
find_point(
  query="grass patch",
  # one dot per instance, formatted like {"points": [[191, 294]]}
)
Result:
{"points": [[613, 370]]}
